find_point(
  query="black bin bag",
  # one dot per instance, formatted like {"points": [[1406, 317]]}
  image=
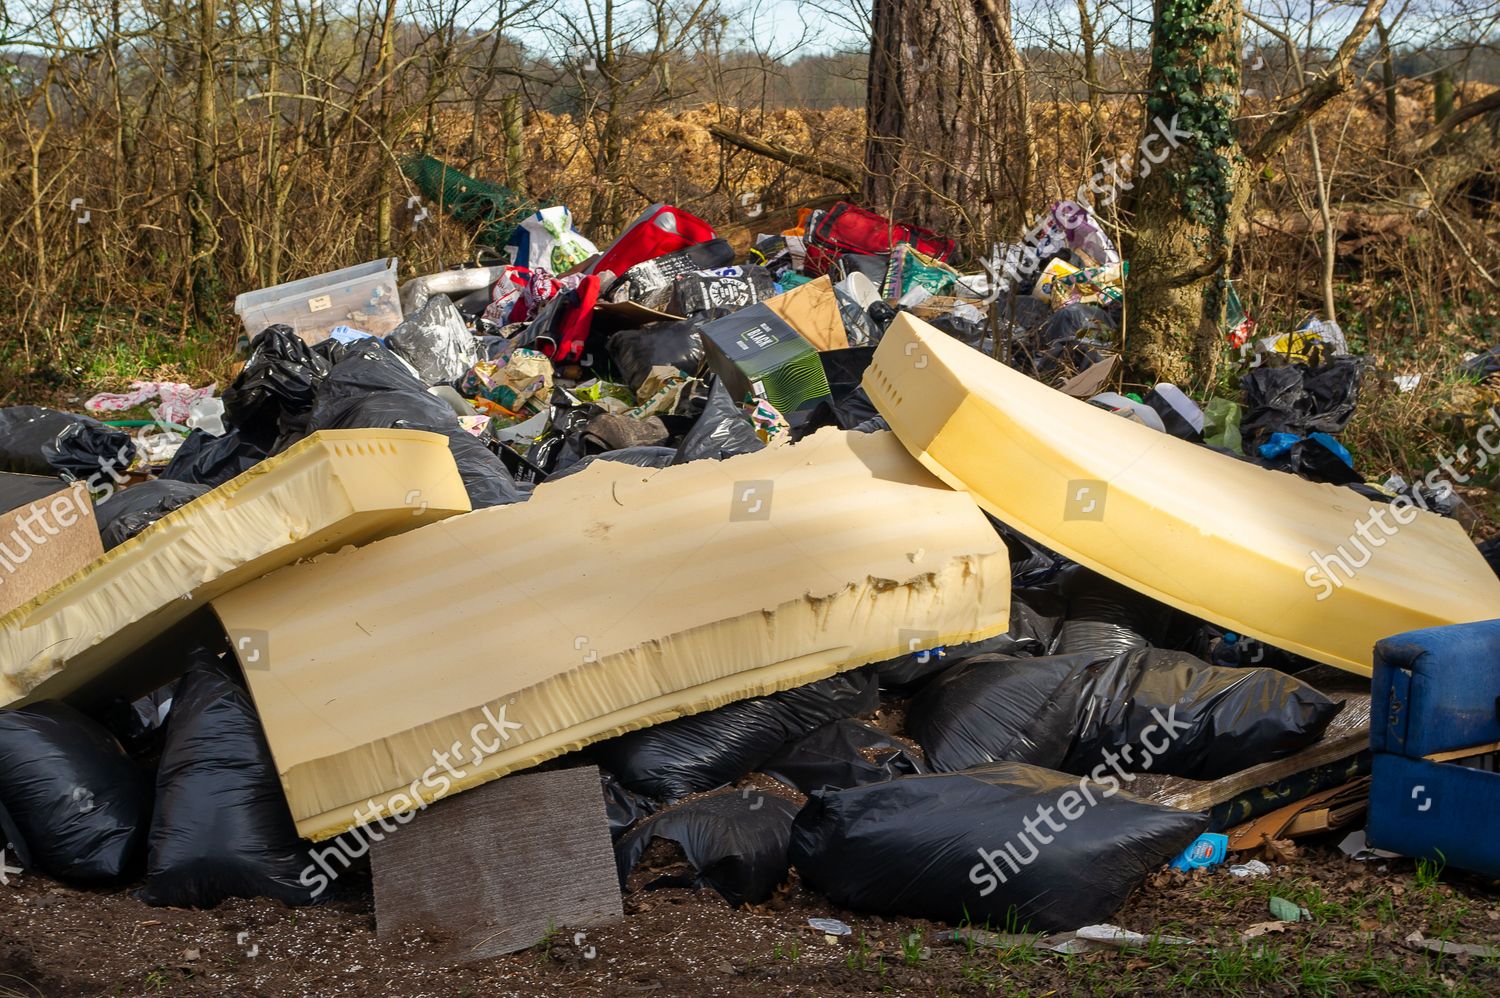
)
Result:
{"points": [[373, 388], [661, 344], [222, 828], [722, 431], [1105, 618], [1034, 618], [129, 511], [957, 848], [734, 841], [707, 750], [846, 753], [205, 459], [39, 441], [623, 807], [78, 807], [277, 385], [1162, 712]]}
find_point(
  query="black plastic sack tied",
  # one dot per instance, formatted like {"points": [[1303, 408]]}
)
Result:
{"points": [[707, 750], [1165, 712], [72, 803], [1007, 846], [222, 828], [735, 841]]}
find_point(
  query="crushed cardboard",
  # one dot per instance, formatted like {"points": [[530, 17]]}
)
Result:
{"points": [[47, 532]]}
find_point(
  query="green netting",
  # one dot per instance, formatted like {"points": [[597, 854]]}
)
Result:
{"points": [[489, 208]]}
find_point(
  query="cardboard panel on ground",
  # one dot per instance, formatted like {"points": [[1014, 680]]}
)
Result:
{"points": [[616, 598], [336, 488], [47, 532], [1221, 539]]}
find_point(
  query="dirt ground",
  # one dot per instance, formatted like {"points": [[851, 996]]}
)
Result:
{"points": [[57, 941]]}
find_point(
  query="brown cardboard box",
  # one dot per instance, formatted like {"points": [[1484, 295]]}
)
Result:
{"points": [[47, 532], [813, 311]]}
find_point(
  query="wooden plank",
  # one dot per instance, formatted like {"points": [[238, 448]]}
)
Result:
{"points": [[493, 871], [1462, 753]]}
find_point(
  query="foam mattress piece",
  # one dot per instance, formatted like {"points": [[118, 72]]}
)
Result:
{"points": [[335, 488], [1221, 539], [614, 599]]}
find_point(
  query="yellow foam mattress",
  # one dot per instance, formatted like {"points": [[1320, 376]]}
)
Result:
{"points": [[1301, 565], [336, 488], [389, 676]]}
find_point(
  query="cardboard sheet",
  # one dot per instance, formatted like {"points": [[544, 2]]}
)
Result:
{"points": [[1258, 552], [47, 532], [335, 488], [813, 310], [614, 599]]}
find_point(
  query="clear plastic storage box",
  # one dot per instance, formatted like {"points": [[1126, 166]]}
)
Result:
{"points": [[363, 297]]}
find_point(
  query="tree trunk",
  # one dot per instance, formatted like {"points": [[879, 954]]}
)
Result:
{"points": [[1186, 207], [1388, 86], [202, 203], [387, 189], [948, 118]]}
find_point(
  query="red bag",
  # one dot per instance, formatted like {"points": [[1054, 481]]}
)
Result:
{"points": [[660, 230], [847, 228], [565, 328]]}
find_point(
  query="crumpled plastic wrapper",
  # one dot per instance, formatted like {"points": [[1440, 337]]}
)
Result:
{"points": [[520, 383], [436, 342]]}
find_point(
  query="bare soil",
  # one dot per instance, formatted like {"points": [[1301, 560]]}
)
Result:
{"points": [[58, 941]]}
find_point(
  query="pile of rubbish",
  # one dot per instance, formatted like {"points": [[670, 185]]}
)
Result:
{"points": [[839, 389]]}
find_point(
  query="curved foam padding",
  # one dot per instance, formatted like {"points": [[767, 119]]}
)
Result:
{"points": [[616, 598], [336, 488], [1249, 549]]}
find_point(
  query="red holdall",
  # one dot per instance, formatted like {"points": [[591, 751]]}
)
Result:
{"points": [[848, 228], [661, 229]]}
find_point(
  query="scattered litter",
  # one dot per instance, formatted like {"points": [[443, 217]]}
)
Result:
{"points": [[1287, 911], [830, 926], [1088, 939], [733, 522], [1209, 849], [1357, 848], [1447, 947]]}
